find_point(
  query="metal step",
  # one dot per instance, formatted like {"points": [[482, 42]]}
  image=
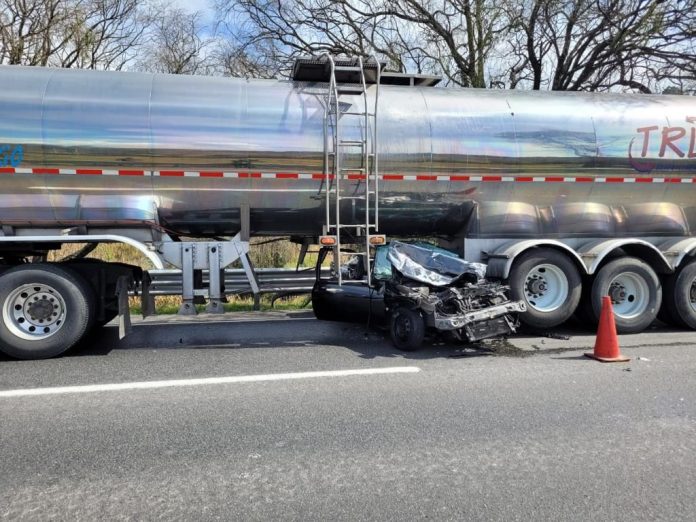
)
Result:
{"points": [[332, 153], [345, 89], [347, 68], [354, 113], [350, 253], [359, 198], [348, 169], [353, 143]]}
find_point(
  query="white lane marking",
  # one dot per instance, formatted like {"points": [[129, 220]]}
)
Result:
{"points": [[90, 388]]}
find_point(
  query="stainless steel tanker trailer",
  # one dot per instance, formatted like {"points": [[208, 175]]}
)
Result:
{"points": [[566, 196]]}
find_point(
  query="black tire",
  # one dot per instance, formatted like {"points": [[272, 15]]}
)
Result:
{"points": [[407, 329], [678, 293], [74, 315], [583, 313], [524, 265], [319, 311], [667, 315], [629, 321]]}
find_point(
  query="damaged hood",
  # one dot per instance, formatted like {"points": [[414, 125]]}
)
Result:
{"points": [[431, 265]]}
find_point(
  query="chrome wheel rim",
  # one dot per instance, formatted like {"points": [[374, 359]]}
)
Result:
{"points": [[34, 311], [546, 288], [629, 295], [692, 295]]}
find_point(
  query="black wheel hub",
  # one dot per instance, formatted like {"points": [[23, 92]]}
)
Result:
{"points": [[40, 310], [617, 293], [536, 286]]}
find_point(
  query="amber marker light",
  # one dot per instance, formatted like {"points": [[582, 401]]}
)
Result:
{"points": [[327, 240]]}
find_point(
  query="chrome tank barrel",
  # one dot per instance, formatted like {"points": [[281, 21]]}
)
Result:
{"points": [[106, 149]]}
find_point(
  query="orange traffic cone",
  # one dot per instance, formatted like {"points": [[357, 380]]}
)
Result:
{"points": [[606, 348]]}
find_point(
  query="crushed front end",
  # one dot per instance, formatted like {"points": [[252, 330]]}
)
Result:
{"points": [[448, 293]]}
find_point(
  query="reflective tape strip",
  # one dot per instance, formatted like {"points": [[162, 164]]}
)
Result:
{"points": [[424, 177]]}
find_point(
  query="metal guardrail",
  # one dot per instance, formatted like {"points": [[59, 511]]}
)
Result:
{"points": [[271, 281]]}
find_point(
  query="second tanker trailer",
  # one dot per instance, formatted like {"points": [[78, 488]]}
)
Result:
{"points": [[566, 196]]}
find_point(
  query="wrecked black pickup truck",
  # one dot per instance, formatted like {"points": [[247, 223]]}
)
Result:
{"points": [[415, 287]]}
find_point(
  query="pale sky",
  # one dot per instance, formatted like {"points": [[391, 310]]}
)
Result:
{"points": [[204, 6]]}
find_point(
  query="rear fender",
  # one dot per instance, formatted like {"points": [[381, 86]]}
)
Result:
{"points": [[595, 252], [677, 251], [500, 260]]}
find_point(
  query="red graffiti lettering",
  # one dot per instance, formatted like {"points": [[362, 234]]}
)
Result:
{"points": [[669, 136], [646, 138], [692, 141]]}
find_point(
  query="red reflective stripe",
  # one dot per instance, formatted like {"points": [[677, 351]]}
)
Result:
{"points": [[386, 177]]}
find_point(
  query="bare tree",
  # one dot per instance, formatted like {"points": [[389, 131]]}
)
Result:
{"points": [[453, 37], [552, 44], [231, 59], [600, 44], [175, 42], [71, 33]]}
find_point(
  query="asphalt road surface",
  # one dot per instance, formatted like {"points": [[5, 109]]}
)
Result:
{"points": [[293, 419]]}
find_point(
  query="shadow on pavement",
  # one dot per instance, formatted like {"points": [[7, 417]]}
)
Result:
{"points": [[259, 331], [269, 333]]}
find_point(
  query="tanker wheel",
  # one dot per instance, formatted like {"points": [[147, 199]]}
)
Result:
{"points": [[635, 291], [583, 313], [550, 285], [407, 329], [679, 297], [46, 309]]}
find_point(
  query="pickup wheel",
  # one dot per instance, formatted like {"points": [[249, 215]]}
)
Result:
{"points": [[549, 284], [407, 329], [679, 297], [46, 309], [635, 291], [319, 309]]}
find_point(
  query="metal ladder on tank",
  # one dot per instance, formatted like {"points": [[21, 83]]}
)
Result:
{"points": [[335, 172]]}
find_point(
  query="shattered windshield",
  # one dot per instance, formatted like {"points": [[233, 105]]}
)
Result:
{"points": [[430, 264]]}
